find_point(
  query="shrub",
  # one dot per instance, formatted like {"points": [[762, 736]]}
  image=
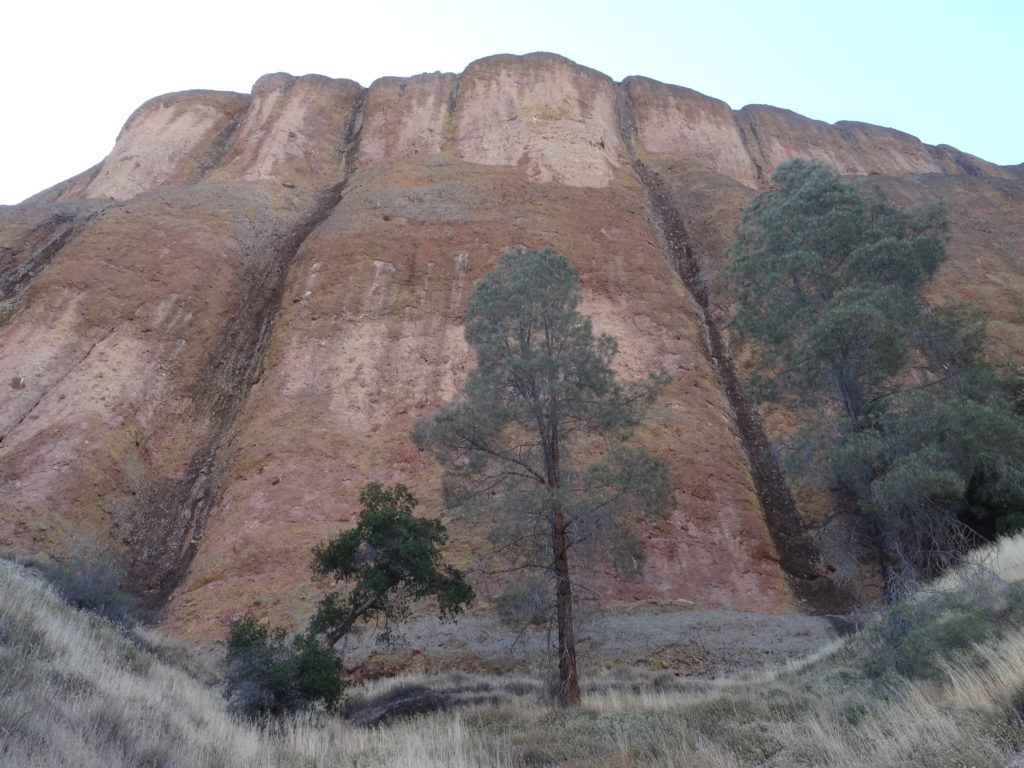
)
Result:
{"points": [[266, 675], [92, 580], [914, 638]]}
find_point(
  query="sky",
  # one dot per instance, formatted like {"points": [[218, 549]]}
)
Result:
{"points": [[947, 72]]}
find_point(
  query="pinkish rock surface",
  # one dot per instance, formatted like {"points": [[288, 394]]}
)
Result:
{"points": [[214, 338]]}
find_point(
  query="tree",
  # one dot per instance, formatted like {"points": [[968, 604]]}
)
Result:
{"points": [[904, 417], [542, 388], [393, 558]]}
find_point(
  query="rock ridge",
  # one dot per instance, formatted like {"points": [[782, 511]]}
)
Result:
{"points": [[526, 112]]}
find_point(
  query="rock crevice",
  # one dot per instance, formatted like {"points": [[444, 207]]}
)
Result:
{"points": [[797, 554], [232, 370]]}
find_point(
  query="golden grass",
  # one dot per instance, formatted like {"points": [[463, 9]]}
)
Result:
{"points": [[76, 691]]}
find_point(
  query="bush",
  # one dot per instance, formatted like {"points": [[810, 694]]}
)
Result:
{"points": [[267, 676], [1010, 524], [915, 638], [525, 602], [92, 580]]}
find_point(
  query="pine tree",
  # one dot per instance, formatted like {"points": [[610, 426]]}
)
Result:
{"points": [[905, 421], [544, 386]]}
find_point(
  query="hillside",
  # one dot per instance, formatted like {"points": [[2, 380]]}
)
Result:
{"points": [[213, 338], [74, 690]]}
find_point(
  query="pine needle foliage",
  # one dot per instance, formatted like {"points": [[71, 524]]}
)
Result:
{"points": [[906, 423], [543, 388]]}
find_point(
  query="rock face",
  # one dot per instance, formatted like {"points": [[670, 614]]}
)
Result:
{"points": [[215, 337]]}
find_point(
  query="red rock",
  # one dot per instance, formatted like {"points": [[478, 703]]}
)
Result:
{"points": [[215, 337]]}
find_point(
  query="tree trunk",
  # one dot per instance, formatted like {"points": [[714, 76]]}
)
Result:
{"points": [[890, 593], [568, 681], [332, 636]]}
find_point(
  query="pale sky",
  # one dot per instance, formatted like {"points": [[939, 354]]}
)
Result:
{"points": [[947, 72]]}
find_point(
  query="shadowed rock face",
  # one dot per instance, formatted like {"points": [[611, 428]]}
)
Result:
{"points": [[215, 337]]}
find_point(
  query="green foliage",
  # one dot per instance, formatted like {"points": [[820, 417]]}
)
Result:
{"points": [[914, 639], [907, 425], [829, 280], [393, 558], [543, 387], [266, 675]]}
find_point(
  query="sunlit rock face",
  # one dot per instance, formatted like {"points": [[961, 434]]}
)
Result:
{"points": [[212, 339]]}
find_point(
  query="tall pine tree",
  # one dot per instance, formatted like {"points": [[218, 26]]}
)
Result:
{"points": [[905, 421], [544, 386]]}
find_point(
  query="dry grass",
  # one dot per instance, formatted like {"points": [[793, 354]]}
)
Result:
{"points": [[75, 691]]}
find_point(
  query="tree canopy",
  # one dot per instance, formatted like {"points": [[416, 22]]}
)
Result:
{"points": [[904, 419], [542, 395], [829, 280], [391, 558]]}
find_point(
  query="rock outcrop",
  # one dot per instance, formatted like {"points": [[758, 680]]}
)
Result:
{"points": [[213, 338]]}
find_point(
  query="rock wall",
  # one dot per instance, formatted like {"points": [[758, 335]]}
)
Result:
{"points": [[216, 336]]}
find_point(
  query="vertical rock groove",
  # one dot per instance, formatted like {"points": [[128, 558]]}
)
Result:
{"points": [[64, 224], [167, 529], [798, 556], [453, 106], [218, 149], [748, 132]]}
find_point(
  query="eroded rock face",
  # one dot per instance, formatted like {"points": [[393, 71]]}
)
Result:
{"points": [[552, 118], [172, 139], [678, 121], [294, 131], [407, 116], [214, 338]]}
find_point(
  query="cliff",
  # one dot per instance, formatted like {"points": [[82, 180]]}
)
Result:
{"points": [[212, 339]]}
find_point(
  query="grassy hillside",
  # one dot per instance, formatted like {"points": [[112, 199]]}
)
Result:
{"points": [[939, 683]]}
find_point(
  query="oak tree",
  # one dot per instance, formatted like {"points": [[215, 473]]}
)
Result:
{"points": [[389, 560]]}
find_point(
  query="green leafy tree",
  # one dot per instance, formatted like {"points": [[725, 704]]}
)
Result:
{"points": [[906, 422], [542, 388], [390, 559]]}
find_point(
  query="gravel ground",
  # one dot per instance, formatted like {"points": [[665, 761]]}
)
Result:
{"points": [[692, 641]]}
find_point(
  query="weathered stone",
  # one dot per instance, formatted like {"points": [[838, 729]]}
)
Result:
{"points": [[204, 370]]}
